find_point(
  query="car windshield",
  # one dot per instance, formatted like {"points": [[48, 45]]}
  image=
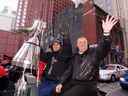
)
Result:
{"points": [[108, 67]]}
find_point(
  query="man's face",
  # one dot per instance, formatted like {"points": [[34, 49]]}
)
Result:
{"points": [[56, 46], [82, 44]]}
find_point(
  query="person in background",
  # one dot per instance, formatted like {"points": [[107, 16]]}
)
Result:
{"points": [[5, 66], [6, 62], [80, 79]]}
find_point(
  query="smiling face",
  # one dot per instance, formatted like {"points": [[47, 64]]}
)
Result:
{"points": [[56, 46], [82, 44]]}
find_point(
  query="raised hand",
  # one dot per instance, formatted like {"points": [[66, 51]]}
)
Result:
{"points": [[108, 24]]}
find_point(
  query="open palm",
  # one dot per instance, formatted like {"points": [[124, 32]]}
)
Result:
{"points": [[108, 24]]}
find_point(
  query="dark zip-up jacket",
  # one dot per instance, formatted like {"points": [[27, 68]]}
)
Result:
{"points": [[84, 67], [57, 63]]}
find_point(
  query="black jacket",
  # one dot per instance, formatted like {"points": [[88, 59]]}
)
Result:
{"points": [[57, 63], [85, 67]]}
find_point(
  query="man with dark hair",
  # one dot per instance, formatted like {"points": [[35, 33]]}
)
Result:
{"points": [[56, 64], [84, 65]]}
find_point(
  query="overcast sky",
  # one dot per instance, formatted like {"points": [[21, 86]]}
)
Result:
{"points": [[12, 4]]}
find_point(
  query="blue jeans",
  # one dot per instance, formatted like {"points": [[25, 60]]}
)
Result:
{"points": [[47, 87]]}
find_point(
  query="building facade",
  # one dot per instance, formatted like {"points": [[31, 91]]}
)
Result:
{"points": [[82, 21], [50, 11], [118, 9]]}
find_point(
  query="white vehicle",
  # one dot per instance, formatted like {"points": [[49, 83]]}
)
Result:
{"points": [[112, 72]]}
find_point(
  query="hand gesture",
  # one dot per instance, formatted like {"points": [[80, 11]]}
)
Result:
{"points": [[108, 24]]}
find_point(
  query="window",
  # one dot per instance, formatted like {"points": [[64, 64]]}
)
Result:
{"points": [[8, 11]]}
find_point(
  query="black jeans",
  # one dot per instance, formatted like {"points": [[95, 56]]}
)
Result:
{"points": [[80, 88]]}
